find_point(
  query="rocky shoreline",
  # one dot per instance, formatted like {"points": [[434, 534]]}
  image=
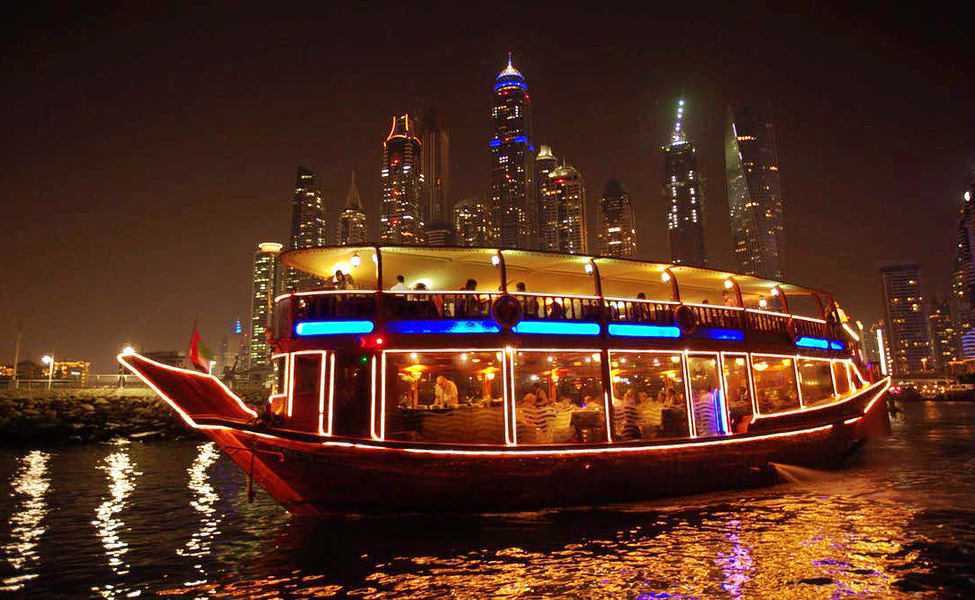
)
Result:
{"points": [[40, 418]]}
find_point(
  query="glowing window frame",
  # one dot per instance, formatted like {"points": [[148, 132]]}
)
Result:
{"points": [[285, 379], [682, 354], [382, 383], [719, 365], [832, 377], [795, 370], [321, 387], [748, 376]]}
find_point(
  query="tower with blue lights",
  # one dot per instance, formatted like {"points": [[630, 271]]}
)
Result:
{"points": [[512, 201], [682, 194]]}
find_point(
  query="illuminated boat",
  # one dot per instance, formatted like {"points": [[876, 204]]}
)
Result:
{"points": [[516, 379]]}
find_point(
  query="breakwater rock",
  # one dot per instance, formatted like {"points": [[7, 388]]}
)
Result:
{"points": [[76, 416]]}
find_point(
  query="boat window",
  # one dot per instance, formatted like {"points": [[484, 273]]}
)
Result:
{"points": [[648, 396], [816, 381], [559, 397], [739, 399], [351, 396], [279, 366], [775, 384], [449, 397], [706, 399], [842, 381], [308, 410]]}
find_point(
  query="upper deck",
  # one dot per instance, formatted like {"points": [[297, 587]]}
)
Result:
{"points": [[565, 300]]}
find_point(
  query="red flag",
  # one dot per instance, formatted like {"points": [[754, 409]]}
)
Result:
{"points": [[195, 355]]}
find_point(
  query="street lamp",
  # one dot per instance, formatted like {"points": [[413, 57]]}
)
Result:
{"points": [[48, 359]]}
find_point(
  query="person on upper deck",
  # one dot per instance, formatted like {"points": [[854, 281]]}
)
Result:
{"points": [[400, 285], [339, 281], [641, 311], [555, 310], [469, 304], [728, 299], [529, 304]]}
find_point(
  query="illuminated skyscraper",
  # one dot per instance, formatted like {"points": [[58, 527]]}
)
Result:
{"points": [[262, 300], [472, 222], [754, 194], [307, 225], [512, 157], [682, 193], [963, 275], [545, 163], [436, 181], [944, 335], [565, 212], [617, 227], [352, 221], [402, 219], [907, 323]]}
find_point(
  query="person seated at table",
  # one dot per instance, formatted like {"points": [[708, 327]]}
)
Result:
{"points": [[340, 280], [445, 393], [541, 397], [590, 403], [400, 285], [529, 304]]}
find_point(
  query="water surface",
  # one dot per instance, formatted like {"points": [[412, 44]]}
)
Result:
{"points": [[130, 519]]}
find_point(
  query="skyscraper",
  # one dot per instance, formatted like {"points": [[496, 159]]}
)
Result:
{"points": [[436, 181], [963, 275], [402, 219], [682, 193], [472, 222], [545, 163], [565, 212], [307, 224], [617, 230], [352, 221], [262, 301], [944, 335], [907, 324], [512, 157], [754, 194]]}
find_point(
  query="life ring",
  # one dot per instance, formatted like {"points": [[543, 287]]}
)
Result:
{"points": [[686, 319], [507, 311]]}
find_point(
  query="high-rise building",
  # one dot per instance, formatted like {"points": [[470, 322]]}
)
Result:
{"points": [[617, 227], [545, 163], [963, 275], [682, 193], [352, 221], [307, 225], [512, 157], [472, 222], [436, 181], [754, 194], [262, 301], [402, 218], [944, 335], [565, 212], [907, 324]]}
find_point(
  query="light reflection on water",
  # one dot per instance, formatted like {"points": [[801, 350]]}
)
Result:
{"points": [[28, 487], [898, 522]]}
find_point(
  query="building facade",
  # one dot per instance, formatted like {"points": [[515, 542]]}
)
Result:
{"points": [[907, 323], [683, 198], [963, 274], [944, 336], [307, 225], [545, 163], [472, 223], [754, 194], [617, 226], [437, 212], [565, 212], [402, 217], [512, 197], [352, 220], [266, 265]]}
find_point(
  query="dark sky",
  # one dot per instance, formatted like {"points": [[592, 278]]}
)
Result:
{"points": [[146, 153]]}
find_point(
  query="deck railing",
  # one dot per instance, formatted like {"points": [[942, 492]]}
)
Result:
{"points": [[435, 304]]}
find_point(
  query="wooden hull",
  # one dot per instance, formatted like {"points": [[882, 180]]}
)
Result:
{"points": [[314, 475]]}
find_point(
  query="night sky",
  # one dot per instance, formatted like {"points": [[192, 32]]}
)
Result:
{"points": [[146, 153]]}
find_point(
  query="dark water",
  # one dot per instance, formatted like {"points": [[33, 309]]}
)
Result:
{"points": [[129, 519]]}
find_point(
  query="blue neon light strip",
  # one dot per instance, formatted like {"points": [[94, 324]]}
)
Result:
{"points": [[812, 342], [518, 139], [724, 335], [647, 331], [444, 326], [836, 345], [556, 328], [494, 143], [333, 327], [505, 84]]}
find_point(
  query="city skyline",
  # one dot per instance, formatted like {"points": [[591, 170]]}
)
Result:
{"points": [[222, 199]]}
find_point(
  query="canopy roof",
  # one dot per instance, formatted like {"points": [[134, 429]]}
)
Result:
{"points": [[448, 268]]}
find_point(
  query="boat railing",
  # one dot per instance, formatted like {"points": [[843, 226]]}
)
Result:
{"points": [[635, 310], [558, 307], [437, 304]]}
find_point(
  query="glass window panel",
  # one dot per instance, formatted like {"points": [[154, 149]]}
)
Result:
{"points": [[648, 396], [450, 397], [775, 384], [306, 396], [705, 395], [842, 382], [738, 395], [559, 398], [353, 385], [816, 381]]}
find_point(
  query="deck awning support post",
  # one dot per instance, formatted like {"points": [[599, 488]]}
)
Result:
{"points": [[669, 277], [379, 284], [778, 293], [503, 270]]}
